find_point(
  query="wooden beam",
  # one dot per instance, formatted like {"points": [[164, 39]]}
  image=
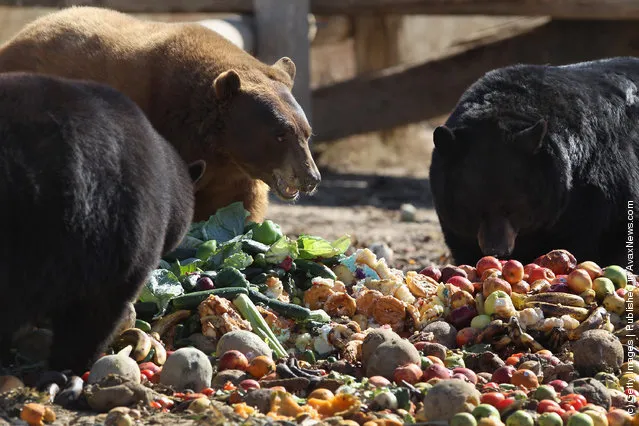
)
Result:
{"points": [[282, 28], [567, 9], [403, 94]]}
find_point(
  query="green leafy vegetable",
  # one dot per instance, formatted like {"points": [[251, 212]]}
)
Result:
{"points": [[186, 266], [227, 223], [190, 242], [161, 286], [281, 249], [311, 247], [238, 260]]}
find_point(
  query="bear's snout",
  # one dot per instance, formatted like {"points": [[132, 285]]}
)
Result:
{"points": [[311, 180], [496, 237]]}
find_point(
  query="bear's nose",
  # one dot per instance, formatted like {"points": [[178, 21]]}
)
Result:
{"points": [[311, 180]]}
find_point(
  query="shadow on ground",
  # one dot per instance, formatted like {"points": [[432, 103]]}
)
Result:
{"points": [[382, 191]]}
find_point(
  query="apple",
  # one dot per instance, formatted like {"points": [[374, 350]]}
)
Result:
{"points": [[538, 260], [503, 374], [379, 381], [618, 417], [233, 360], [461, 282], [471, 272], [621, 292], [410, 373], [594, 270], [466, 336], [513, 271], [493, 284], [436, 371], [521, 287], [451, 271], [499, 302], [470, 374], [540, 286], [432, 271], [480, 321], [491, 272], [541, 274], [559, 385], [603, 287], [579, 281], [559, 261], [249, 384], [461, 298], [530, 267], [462, 316], [617, 275], [487, 262]]}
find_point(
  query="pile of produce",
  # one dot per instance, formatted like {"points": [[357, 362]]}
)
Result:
{"points": [[245, 323]]}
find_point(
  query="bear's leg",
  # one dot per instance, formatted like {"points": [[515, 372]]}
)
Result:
{"points": [[82, 330]]}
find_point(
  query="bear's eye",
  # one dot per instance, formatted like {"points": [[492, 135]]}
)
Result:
{"points": [[280, 138]]}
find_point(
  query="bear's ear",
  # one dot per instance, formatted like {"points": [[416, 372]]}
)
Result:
{"points": [[196, 170], [227, 84], [531, 139], [444, 139], [287, 65]]}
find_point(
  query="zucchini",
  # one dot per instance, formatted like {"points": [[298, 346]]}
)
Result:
{"points": [[313, 269], [230, 277], [192, 300], [252, 272], [254, 247], [288, 310], [259, 260]]}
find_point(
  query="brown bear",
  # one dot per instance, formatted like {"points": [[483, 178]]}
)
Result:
{"points": [[206, 96]]}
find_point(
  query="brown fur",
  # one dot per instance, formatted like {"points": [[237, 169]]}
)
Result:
{"points": [[249, 130]]}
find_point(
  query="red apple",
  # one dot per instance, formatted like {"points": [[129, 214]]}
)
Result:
{"points": [[503, 374], [436, 371], [432, 271], [461, 298], [150, 366], [379, 381], [471, 272], [462, 316], [530, 267], [233, 360], [541, 274], [592, 268], [579, 281], [559, 261], [492, 272], [466, 336], [410, 373], [494, 284], [513, 271], [461, 282], [559, 385], [249, 384], [451, 271], [538, 260], [621, 292], [470, 374], [487, 262]]}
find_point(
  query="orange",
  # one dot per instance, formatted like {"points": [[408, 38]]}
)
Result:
{"points": [[261, 366]]}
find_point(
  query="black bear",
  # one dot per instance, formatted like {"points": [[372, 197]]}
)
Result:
{"points": [[539, 157], [90, 198]]}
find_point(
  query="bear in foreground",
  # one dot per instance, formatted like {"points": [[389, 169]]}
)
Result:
{"points": [[536, 158], [206, 96], [91, 196]]}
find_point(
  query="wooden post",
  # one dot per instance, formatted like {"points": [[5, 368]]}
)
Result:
{"points": [[282, 29]]}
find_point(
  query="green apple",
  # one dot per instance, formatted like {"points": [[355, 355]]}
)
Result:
{"points": [[550, 419], [463, 419], [603, 287], [617, 275], [520, 418]]}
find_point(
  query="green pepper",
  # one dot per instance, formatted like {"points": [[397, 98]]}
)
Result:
{"points": [[268, 232], [206, 249]]}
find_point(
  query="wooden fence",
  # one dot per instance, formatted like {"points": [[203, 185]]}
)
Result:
{"points": [[395, 96]]}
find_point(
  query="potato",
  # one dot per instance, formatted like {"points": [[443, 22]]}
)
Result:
{"points": [[119, 364], [597, 350], [443, 332], [375, 338], [187, 368], [448, 398], [244, 341], [389, 355]]}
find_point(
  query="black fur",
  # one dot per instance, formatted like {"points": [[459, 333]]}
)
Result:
{"points": [[564, 181], [90, 198]]}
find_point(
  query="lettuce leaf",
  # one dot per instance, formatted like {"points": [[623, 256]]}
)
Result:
{"points": [[238, 260], [281, 249], [226, 224], [186, 266], [311, 247], [161, 286]]}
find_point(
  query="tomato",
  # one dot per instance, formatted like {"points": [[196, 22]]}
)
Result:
{"points": [[572, 401], [228, 386], [155, 404], [502, 405], [546, 404], [147, 373], [512, 360], [491, 386], [85, 376], [208, 391], [492, 398]]}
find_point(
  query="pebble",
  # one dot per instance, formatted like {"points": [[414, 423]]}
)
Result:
{"points": [[382, 251], [407, 212]]}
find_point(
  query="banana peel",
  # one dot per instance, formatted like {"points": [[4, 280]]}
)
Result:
{"points": [[555, 310], [138, 340], [557, 298]]}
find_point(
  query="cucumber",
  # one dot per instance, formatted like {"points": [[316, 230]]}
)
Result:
{"points": [[252, 272], [192, 300], [254, 247], [259, 260], [143, 325], [288, 310], [259, 279], [313, 269], [230, 277]]}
